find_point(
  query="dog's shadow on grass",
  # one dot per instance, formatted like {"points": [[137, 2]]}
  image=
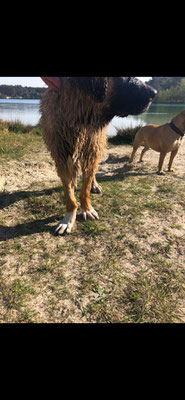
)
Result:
{"points": [[120, 173], [112, 159], [7, 199], [27, 228]]}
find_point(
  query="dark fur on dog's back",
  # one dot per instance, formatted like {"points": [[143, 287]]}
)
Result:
{"points": [[74, 119]]}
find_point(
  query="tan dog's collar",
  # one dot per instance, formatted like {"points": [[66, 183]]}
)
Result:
{"points": [[175, 129]]}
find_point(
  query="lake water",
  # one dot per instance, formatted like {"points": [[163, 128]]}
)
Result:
{"points": [[27, 111]]}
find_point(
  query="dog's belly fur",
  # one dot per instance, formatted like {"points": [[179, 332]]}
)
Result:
{"points": [[160, 139]]}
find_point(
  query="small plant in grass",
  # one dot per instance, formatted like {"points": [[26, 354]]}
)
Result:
{"points": [[15, 293], [124, 136], [19, 128]]}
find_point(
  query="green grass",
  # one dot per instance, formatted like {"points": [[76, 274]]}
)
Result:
{"points": [[16, 137], [19, 127], [92, 229], [14, 293], [150, 298]]}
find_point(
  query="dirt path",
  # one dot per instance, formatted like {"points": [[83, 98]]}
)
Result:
{"points": [[20, 174]]}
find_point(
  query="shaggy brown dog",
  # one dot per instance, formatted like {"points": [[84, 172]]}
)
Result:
{"points": [[161, 138], [75, 114]]}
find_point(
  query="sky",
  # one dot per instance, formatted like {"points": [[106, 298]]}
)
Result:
{"points": [[23, 81], [36, 81]]}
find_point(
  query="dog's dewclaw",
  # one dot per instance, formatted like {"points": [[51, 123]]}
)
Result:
{"points": [[90, 214]]}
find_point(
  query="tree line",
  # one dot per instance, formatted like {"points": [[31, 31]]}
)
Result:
{"points": [[170, 89], [20, 92]]}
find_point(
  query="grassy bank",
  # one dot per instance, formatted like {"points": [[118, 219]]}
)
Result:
{"points": [[124, 136], [7, 143], [126, 267], [16, 137], [19, 127]]}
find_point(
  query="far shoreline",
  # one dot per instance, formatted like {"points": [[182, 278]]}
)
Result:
{"points": [[158, 103]]}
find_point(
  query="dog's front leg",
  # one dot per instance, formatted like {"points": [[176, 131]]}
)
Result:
{"points": [[88, 212], [68, 177], [161, 161], [172, 156]]}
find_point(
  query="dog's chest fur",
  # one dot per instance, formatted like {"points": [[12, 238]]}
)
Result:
{"points": [[72, 122]]}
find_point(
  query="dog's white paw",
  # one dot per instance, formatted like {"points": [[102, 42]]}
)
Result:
{"points": [[89, 214], [66, 224], [160, 173]]}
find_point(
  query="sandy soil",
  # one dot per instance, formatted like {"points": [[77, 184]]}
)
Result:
{"points": [[20, 174]]}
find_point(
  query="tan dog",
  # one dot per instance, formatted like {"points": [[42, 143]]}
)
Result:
{"points": [[161, 138]]}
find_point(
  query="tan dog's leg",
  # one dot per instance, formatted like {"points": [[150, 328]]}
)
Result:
{"points": [[173, 154], [89, 166], [161, 161], [146, 148], [133, 154], [88, 211], [137, 143]]}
